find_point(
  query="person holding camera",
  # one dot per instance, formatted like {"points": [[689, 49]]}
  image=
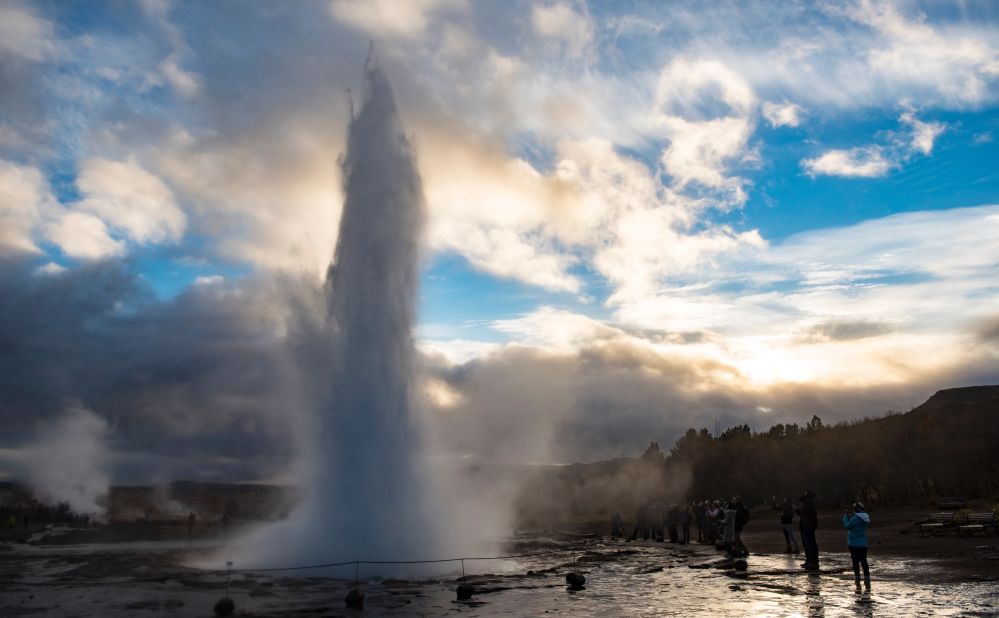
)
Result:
{"points": [[856, 520]]}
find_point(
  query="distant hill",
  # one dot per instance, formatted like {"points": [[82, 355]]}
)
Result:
{"points": [[968, 396], [949, 445]]}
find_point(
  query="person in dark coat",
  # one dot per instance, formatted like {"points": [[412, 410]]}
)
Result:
{"points": [[809, 524], [641, 522], [672, 516], [741, 519], [786, 510], [617, 525], [700, 516], [685, 517]]}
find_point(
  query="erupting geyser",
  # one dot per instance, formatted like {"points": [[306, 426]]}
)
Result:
{"points": [[365, 495], [367, 488]]}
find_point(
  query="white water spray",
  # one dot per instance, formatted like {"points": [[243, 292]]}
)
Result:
{"points": [[366, 496], [367, 481]]}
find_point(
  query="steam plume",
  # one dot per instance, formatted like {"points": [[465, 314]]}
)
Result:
{"points": [[69, 463]]}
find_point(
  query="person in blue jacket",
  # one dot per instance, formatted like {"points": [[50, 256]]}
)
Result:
{"points": [[856, 520]]}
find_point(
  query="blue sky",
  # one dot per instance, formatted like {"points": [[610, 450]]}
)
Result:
{"points": [[774, 202]]}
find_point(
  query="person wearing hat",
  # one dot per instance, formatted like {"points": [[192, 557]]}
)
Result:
{"points": [[856, 520]]}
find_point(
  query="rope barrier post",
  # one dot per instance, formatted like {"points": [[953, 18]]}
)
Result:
{"points": [[464, 590], [225, 605], [355, 598]]}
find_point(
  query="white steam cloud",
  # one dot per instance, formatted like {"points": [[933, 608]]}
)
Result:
{"points": [[69, 463]]}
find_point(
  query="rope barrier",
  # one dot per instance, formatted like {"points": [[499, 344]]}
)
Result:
{"points": [[358, 562], [228, 570]]}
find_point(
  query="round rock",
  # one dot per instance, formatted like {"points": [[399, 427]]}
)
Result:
{"points": [[225, 606], [575, 580], [465, 592], [355, 599]]}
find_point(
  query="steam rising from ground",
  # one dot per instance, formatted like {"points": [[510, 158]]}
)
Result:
{"points": [[69, 463], [368, 495]]}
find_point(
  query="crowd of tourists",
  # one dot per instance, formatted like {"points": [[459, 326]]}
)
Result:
{"points": [[721, 522]]}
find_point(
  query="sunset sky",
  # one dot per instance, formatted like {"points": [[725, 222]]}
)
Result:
{"points": [[642, 216]]}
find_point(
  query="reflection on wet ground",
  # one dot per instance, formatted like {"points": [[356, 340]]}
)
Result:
{"points": [[646, 579]]}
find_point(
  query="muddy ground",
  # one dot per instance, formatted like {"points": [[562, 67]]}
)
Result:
{"points": [[137, 570]]}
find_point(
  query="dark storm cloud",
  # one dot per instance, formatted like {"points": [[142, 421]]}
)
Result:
{"points": [[201, 381]]}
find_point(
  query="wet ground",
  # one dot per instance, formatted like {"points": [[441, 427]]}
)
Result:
{"points": [[635, 579]]}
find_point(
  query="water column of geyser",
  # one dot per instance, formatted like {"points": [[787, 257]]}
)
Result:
{"points": [[368, 485], [364, 496]]}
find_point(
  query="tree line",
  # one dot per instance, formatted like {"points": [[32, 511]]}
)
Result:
{"points": [[949, 446]]}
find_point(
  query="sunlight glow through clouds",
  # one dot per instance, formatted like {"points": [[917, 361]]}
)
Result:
{"points": [[809, 323]]}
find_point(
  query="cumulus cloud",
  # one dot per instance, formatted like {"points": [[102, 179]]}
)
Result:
{"points": [[782, 114], [496, 211], [24, 200], [865, 162], [208, 279], [875, 161], [131, 200], [924, 134], [706, 114], [83, 235], [511, 220], [118, 199]]}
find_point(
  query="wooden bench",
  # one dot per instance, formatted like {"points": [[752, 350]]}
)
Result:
{"points": [[979, 521], [936, 522]]}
